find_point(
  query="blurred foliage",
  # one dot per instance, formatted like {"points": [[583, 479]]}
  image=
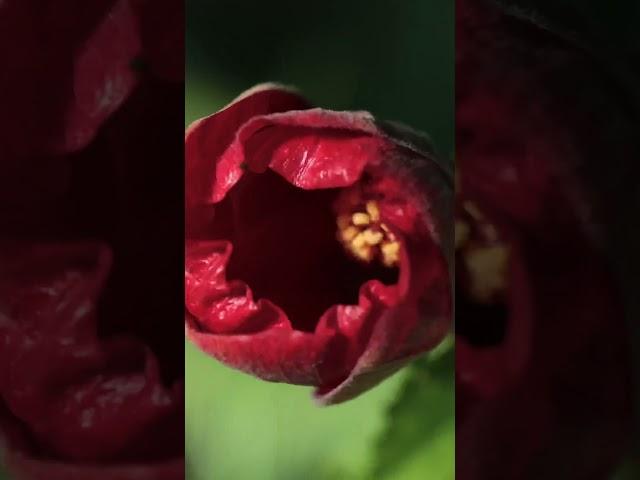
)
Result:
{"points": [[241, 428], [397, 62], [421, 423]]}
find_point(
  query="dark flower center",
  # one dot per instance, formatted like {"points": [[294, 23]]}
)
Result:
{"points": [[285, 247]]}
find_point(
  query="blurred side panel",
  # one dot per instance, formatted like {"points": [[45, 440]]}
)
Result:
{"points": [[547, 116], [91, 249]]}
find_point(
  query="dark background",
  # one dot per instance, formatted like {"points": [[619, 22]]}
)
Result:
{"points": [[610, 31], [393, 58]]}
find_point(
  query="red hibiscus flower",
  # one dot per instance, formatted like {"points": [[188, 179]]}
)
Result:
{"points": [[317, 243], [541, 357], [90, 374]]}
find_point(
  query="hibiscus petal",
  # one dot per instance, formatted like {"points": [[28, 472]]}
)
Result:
{"points": [[206, 139]]}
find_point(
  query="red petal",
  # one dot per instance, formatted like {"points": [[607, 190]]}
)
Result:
{"points": [[223, 307], [312, 149], [70, 69], [81, 397], [27, 468], [103, 77], [408, 322], [207, 138]]}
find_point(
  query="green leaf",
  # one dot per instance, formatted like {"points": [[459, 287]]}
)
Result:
{"points": [[242, 428], [419, 441]]}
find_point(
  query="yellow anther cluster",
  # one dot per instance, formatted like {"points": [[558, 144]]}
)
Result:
{"points": [[365, 237], [372, 237], [390, 253], [487, 269], [373, 211], [486, 262], [359, 219]]}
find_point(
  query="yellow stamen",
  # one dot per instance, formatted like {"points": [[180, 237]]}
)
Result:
{"points": [[390, 253], [372, 237], [364, 236], [363, 253], [487, 269], [360, 219], [359, 241], [373, 211]]}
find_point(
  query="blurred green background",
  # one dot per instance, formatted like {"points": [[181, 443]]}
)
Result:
{"points": [[395, 59]]}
